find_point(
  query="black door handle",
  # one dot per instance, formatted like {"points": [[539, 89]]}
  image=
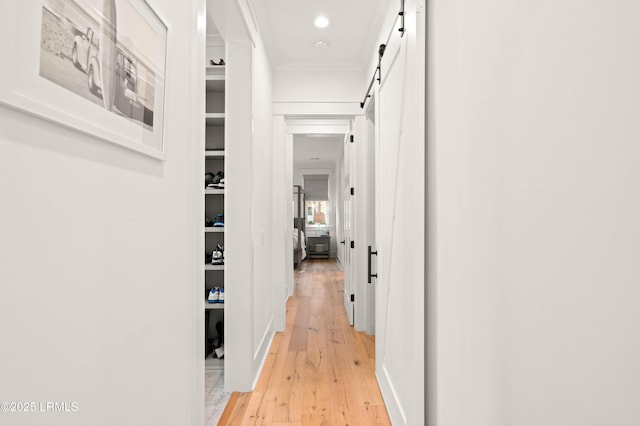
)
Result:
{"points": [[369, 274], [342, 242]]}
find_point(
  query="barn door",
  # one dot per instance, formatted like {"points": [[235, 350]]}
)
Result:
{"points": [[348, 215], [398, 205]]}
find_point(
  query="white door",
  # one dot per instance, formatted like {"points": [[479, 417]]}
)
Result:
{"points": [[348, 217], [370, 164], [399, 222]]}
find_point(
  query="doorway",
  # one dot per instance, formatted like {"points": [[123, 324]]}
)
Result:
{"points": [[344, 150]]}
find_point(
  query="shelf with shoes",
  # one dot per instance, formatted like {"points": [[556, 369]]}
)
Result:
{"points": [[214, 201]]}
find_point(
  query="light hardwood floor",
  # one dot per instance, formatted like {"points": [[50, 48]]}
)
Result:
{"points": [[319, 371]]}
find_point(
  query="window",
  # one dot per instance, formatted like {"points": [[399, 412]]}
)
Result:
{"points": [[317, 212]]}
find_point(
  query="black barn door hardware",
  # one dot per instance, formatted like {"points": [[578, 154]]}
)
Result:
{"points": [[378, 70], [369, 274]]}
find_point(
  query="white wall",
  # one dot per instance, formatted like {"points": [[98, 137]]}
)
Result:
{"points": [[263, 199], [534, 184], [100, 277], [318, 86]]}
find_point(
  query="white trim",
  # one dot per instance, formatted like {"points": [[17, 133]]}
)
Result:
{"points": [[263, 358], [269, 329], [390, 397], [314, 108], [248, 21]]}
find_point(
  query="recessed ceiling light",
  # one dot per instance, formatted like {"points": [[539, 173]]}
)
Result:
{"points": [[321, 44], [321, 22], [314, 158]]}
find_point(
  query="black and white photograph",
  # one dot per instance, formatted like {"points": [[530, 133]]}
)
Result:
{"points": [[102, 51], [96, 67]]}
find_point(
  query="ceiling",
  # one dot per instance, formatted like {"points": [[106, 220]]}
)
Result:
{"points": [[311, 151], [288, 30], [289, 34]]}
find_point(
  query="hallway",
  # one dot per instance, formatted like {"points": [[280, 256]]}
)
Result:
{"points": [[320, 371]]}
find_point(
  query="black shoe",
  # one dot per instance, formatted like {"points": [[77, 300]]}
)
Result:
{"points": [[208, 178]]}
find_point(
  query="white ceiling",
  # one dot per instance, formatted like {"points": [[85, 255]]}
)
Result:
{"points": [[312, 151], [289, 34]]}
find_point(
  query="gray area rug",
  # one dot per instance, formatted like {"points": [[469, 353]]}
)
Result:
{"points": [[215, 397]]}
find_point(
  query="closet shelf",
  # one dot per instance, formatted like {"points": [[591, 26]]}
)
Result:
{"points": [[214, 267], [214, 229], [213, 306], [214, 118], [213, 191], [219, 153], [216, 71]]}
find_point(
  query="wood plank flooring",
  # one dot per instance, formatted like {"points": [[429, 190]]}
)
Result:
{"points": [[319, 371]]}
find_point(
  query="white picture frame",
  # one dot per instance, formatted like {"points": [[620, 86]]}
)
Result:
{"points": [[55, 63]]}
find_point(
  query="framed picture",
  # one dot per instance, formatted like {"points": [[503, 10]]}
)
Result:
{"points": [[96, 66]]}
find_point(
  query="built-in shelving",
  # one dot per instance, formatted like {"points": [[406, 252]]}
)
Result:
{"points": [[214, 199]]}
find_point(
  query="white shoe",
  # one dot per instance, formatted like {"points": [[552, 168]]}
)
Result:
{"points": [[221, 295], [217, 256], [220, 352], [214, 295]]}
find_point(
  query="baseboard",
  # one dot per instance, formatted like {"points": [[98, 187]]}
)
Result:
{"points": [[390, 397], [260, 356]]}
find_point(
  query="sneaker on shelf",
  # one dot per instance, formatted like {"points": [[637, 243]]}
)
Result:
{"points": [[221, 184], [208, 178], [220, 352], [221, 295], [219, 220], [214, 295], [217, 257]]}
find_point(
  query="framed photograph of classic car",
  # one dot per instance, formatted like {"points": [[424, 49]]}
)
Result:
{"points": [[96, 66]]}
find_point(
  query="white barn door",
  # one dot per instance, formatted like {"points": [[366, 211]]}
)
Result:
{"points": [[399, 224]]}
